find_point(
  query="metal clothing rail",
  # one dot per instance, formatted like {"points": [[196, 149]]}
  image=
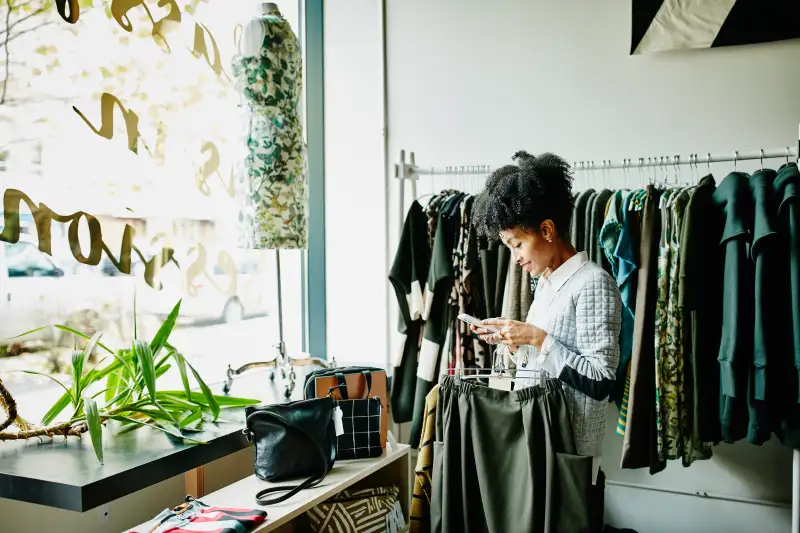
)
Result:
{"points": [[408, 170]]}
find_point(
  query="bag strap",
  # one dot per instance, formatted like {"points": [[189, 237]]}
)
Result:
{"points": [[293, 489], [342, 384], [368, 378]]}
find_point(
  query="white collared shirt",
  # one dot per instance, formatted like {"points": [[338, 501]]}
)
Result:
{"points": [[579, 306]]}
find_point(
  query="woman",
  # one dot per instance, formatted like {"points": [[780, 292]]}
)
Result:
{"points": [[572, 328]]}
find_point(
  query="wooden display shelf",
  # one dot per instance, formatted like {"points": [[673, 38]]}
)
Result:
{"points": [[392, 468]]}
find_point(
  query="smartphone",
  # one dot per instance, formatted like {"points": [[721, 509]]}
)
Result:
{"points": [[469, 319]]}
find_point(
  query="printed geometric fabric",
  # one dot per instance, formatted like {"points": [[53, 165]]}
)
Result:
{"points": [[360, 511], [194, 516], [423, 471], [361, 422], [271, 170], [660, 25]]}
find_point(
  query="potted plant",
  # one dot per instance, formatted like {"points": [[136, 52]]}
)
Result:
{"points": [[128, 394]]}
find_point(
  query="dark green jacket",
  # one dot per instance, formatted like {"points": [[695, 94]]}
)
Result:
{"points": [[785, 372], [734, 206], [699, 294], [596, 253], [787, 189], [764, 252], [578, 226]]}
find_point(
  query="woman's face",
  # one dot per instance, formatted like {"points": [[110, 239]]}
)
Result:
{"points": [[531, 250]]}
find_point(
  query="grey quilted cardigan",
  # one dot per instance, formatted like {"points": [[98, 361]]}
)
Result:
{"points": [[581, 312]]}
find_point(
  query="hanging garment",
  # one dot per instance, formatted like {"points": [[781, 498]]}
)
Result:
{"points": [[506, 461], [611, 229], [587, 223], [661, 341], [421, 499], [608, 238], [467, 295], [488, 256], [700, 291], [517, 300], [787, 387], [194, 516], [639, 448], [578, 227], [579, 307], [503, 262], [767, 337], [271, 182], [599, 209], [407, 275], [673, 399], [627, 255], [437, 314], [734, 204]]}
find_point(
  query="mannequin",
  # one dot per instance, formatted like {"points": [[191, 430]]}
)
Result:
{"points": [[253, 32], [271, 178], [270, 183]]}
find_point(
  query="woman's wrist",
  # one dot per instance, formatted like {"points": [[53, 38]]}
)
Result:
{"points": [[536, 337]]}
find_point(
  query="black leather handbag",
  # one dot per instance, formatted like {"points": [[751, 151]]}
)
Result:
{"points": [[292, 440]]}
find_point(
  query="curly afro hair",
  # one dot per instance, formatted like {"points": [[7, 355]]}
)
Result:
{"points": [[536, 189]]}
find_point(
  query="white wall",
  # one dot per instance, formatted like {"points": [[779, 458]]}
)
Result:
{"points": [[472, 82]]}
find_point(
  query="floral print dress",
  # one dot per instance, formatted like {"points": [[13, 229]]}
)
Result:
{"points": [[271, 174], [674, 422]]}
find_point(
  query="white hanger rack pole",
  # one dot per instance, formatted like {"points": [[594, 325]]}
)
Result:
{"points": [[408, 170]]}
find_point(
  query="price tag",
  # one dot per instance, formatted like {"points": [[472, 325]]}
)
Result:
{"points": [[337, 420]]}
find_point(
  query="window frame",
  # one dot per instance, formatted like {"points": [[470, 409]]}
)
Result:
{"points": [[314, 279]]}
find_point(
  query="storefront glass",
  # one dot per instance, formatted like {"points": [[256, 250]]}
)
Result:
{"points": [[119, 138]]}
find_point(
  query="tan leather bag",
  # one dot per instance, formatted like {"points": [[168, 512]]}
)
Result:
{"points": [[361, 382]]}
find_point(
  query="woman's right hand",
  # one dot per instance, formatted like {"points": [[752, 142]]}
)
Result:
{"points": [[490, 336]]}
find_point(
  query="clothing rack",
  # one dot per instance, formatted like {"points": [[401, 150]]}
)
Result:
{"points": [[408, 170]]}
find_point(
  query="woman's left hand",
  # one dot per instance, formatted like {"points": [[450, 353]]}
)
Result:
{"points": [[514, 333]]}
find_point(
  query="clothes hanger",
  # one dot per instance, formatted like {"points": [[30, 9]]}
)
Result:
{"points": [[497, 372]]}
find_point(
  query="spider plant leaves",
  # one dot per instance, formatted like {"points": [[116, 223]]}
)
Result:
{"points": [[67, 393], [78, 361], [83, 336], [114, 385], [130, 394], [91, 377], [200, 398], [59, 406], [95, 427], [123, 357], [168, 431], [181, 362], [193, 418], [172, 401], [31, 332], [92, 344], [211, 401], [144, 354], [162, 335]]}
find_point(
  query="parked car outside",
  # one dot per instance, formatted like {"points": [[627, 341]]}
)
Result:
{"points": [[36, 291]]}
